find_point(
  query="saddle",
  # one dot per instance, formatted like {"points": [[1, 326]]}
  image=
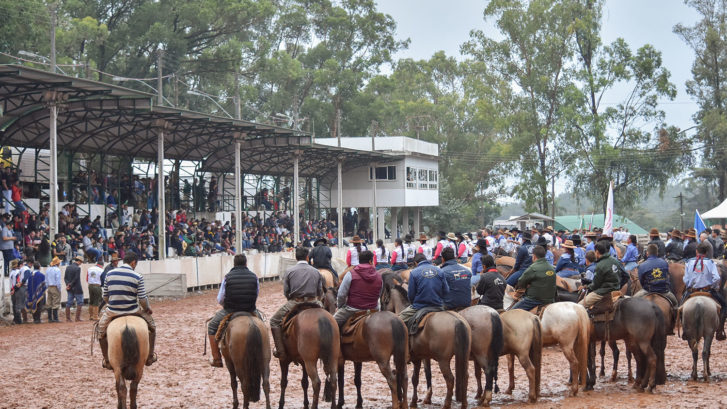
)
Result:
{"points": [[420, 319], [603, 311], [539, 310], [225, 322], [666, 298], [297, 309], [352, 330]]}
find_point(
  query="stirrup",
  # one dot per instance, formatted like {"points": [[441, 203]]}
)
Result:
{"points": [[150, 360]]}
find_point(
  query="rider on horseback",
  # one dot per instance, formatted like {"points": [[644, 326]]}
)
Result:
{"points": [[539, 282], [301, 283], [238, 292], [491, 285], [459, 280], [675, 248], [606, 277], [427, 288], [701, 275], [523, 259], [124, 294], [654, 276], [360, 289], [321, 256]]}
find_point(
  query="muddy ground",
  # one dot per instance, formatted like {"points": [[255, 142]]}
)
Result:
{"points": [[50, 366]]}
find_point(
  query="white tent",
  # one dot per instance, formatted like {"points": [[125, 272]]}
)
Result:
{"points": [[719, 212]]}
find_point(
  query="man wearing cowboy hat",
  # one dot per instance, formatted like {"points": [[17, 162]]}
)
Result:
{"points": [[425, 248], [538, 281], [53, 282], [567, 264], [654, 277], [523, 260], [654, 238], [690, 244], [95, 293], [74, 288], [320, 256], [675, 249], [113, 263]]}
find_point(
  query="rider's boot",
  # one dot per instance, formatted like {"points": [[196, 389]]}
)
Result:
{"points": [[104, 343], [68, 313], [152, 357], [79, 309], [216, 359], [279, 344]]}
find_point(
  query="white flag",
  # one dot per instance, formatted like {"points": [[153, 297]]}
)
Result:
{"points": [[608, 222]]}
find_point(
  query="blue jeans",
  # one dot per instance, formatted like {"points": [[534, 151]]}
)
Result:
{"points": [[19, 207], [380, 266], [568, 273], [76, 299], [399, 266], [512, 279], [630, 266], [93, 254], [526, 303]]}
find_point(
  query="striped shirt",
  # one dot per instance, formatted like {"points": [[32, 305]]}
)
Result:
{"points": [[124, 287]]}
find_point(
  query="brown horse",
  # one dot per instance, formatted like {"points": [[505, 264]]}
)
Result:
{"points": [[445, 335], [487, 344], [313, 334], [523, 337], [384, 336], [676, 272], [246, 349], [128, 340], [328, 278]]}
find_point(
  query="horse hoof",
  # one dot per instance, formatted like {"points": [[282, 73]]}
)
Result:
{"points": [[488, 397], [588, 388], [413, 405], [508, 391], [614, 378], [427, 401], [532, 399]]}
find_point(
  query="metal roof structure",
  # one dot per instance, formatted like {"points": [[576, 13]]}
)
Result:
{"points": [[96, 117]]}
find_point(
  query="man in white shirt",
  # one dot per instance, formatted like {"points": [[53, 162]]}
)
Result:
{"points": [[95, 293]]}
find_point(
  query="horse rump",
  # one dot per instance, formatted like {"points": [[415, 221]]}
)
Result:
{"points": [[658, 343], [462, 341], [130, 351], [253, 363]]}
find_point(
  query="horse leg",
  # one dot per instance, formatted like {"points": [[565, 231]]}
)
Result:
{"points": [[341, 372], [591, 376], [310, 368], [357, 382], [511, 373], [121, 391], [649, 378], [449, 380], [266, 384], [694, 346], [428, 377], [233, 385], [570, 355], [417, 365], [283, 384], [133, 388], [385, 369], [478, 377], [304, 386], [615, 352], [603, 353], [530, 371], [628, 363], [706, 351], [331, 369]]}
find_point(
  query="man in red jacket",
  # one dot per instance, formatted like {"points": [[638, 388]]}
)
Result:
{"points": [[360, 289]]}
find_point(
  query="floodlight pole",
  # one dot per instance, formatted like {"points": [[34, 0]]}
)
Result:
{"points": [[296, 203], [340, 202], [238, 197], [161, 212]]}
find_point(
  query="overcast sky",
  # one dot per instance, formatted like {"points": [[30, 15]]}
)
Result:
{"points": [[434, 25]]}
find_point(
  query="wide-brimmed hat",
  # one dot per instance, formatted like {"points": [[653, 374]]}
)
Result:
{"points": [[549, 228], [542, 241], [576, 239], [654, 232], [56, 261], [78, 258], [568, 244], [114, 257], [319, 240], [527, 235], [14, 263], [676, 233], [691, 233], [608, 237], [481, 243], [356, 240], [451, 236], [591, 234], [423, 237]]}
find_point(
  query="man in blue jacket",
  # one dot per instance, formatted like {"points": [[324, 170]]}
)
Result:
{"points": [[427, 288], [523, 260], [458, 279]]}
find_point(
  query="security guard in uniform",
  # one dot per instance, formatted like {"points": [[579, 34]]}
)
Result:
{"points": [[539, 280]]}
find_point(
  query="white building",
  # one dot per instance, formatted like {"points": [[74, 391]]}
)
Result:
{"points": [[404, 185]]}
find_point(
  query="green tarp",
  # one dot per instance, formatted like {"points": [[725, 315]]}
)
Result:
{"points": [[574, 222]]}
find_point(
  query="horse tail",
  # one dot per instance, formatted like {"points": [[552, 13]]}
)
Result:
{"points": [[497, 343], [581, 346], [325, 333], [252, 365], [461, 359], [536, 352], [658, 343], [401, 345], [130, 353]]}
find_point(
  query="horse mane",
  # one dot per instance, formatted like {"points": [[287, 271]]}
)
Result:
{"points": [[404, 293]]}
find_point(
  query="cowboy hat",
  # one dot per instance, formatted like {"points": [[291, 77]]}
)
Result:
{"points": [[78, 258], [56, 261], [576, 239], [451, 236], [481, 243], [691, 233], [568, 244], [590, 234], [356, 240], [527, 235], [114, 257], [654, 232], [423, 237], [542, 241], [319, 240], [676, 233], [549, 228], [14, 263]]}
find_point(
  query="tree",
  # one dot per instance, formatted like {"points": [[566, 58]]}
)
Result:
{"points": [[708, 39], [530, 73]]}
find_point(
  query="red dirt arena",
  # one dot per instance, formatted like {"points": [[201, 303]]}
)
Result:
{"points": [[50, 366]]}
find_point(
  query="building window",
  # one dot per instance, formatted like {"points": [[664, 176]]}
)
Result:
{"points": [[383, 173], [411, 178], [433, 179]]}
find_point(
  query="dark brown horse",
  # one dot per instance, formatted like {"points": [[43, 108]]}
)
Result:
{"points": [[246, 349], [445, 335], [487, 344], [384, 336], [313, 334], [641, 324]]}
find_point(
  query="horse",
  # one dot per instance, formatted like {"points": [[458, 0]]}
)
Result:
{"points": [[329, 279], [567, 324], [313, 334], [676, 272], [486, 347], [246, 349], [128, 348], [699, 319], [384, 336], [445, 335], [641, 324], [523, 337]]}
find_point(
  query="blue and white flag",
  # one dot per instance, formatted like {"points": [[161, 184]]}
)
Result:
{"points": [[698, 223]]}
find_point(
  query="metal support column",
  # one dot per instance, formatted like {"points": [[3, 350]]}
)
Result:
{"points": [[417, 220], [374, 213], [404, 220], [238, 200], [53, 182], [395, 222], [161, 213], [296, 201], [339, 193]]}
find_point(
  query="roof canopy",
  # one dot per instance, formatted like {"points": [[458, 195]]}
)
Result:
{"points": [[574, 222], [530, 216], [96, 117], [719, 212]]}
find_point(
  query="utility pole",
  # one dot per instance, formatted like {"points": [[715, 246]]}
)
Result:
{"points": [[53, 15], [552, 193], [681, 209], [160, 96]]}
